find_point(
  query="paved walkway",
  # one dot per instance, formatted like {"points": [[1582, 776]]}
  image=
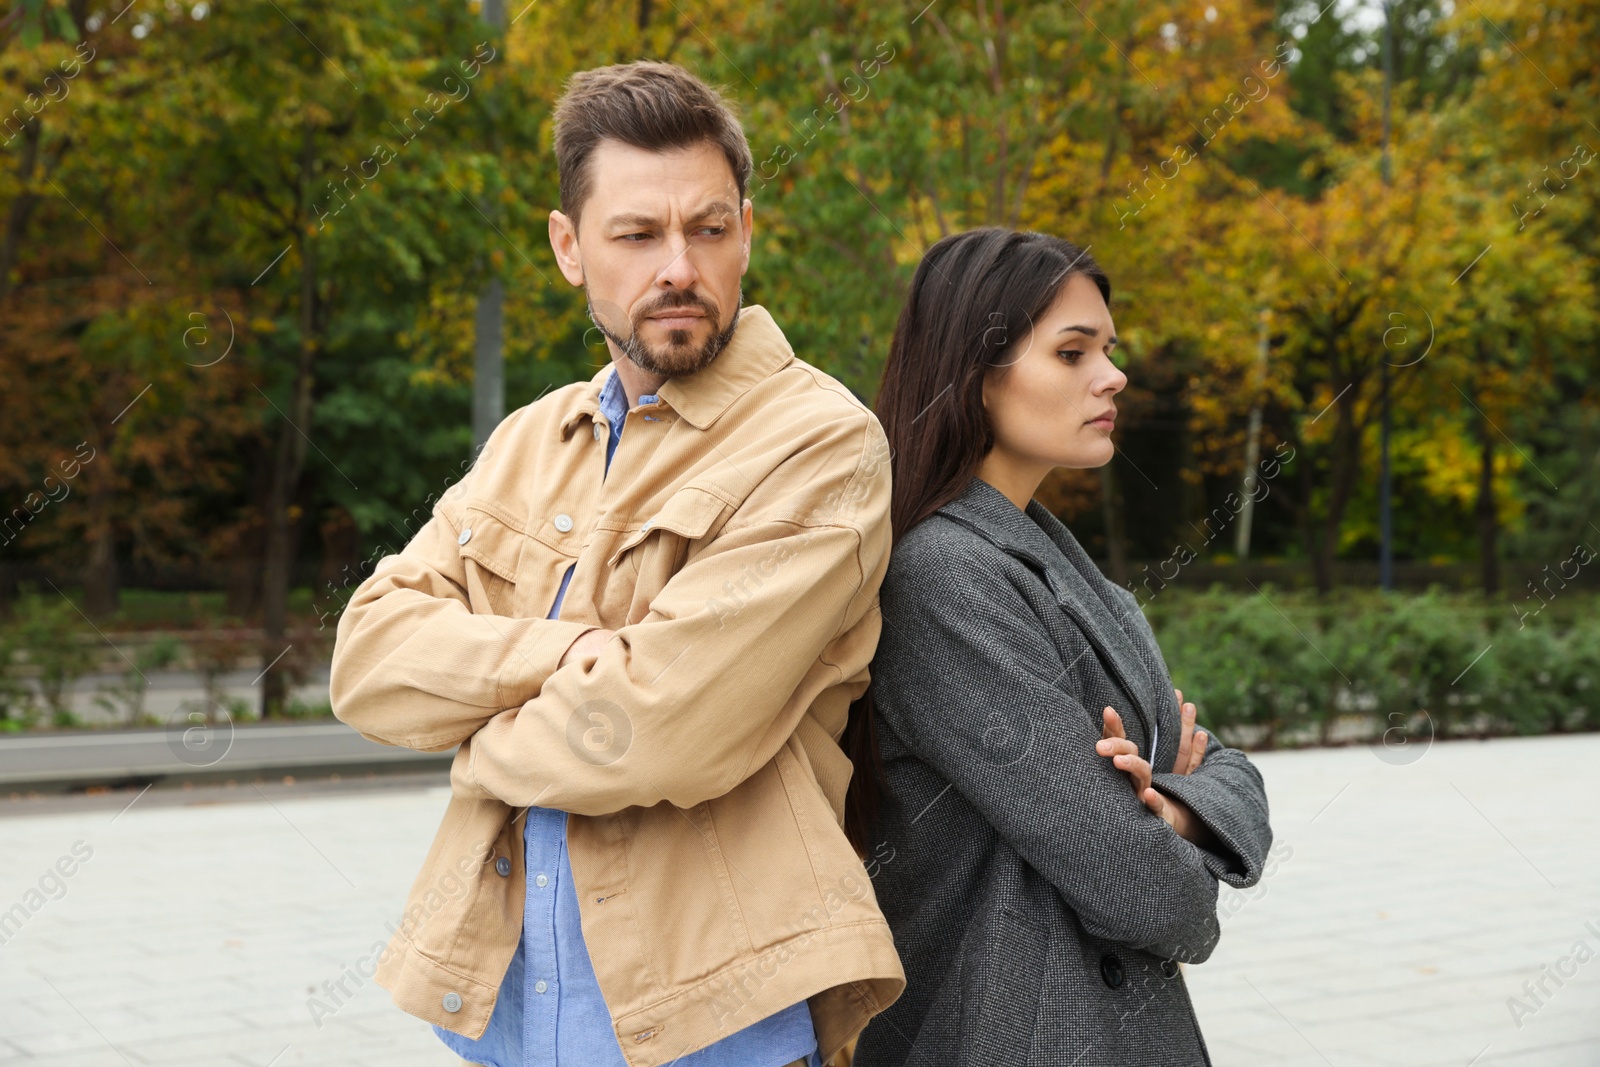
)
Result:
{"points": [[1410, 903]]}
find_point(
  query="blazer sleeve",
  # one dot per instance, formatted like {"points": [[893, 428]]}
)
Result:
{"points": [[1226, 793], [969, 679]]}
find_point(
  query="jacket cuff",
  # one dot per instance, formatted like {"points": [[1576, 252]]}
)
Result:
{"points": [[534, 659], [1232, 859]]}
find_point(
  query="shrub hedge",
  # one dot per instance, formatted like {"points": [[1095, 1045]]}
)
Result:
{"points": [[1280, 667]]}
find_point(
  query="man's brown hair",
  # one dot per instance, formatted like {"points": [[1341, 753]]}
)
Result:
{"points": [[650, 105]]}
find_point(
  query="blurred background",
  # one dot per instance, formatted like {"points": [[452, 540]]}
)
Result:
{"points": [[269, 273]]}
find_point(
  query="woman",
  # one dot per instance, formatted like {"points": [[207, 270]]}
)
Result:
{"points": [[1049, 829]]}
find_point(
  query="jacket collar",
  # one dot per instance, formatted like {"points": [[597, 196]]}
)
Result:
{"points": [[1042, 540], [756, 350]]}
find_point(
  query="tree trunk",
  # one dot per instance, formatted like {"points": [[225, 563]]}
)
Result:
{"points": [[1488, 554], [488, 348], [289, 463], [21, 208], [1345, 462], [1116, 543], [102, 593], [488, 363]]}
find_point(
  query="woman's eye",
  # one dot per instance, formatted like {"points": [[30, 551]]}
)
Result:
{"points": [[1069, 354]]}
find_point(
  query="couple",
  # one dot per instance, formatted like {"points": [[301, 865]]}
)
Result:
{"points": [[683, 828]]}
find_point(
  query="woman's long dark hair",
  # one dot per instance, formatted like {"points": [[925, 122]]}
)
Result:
{"points": [[974, 295]]}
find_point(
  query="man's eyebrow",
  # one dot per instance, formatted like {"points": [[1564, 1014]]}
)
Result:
{"points": [[634, 220], [1090, 330], [717, 208]]}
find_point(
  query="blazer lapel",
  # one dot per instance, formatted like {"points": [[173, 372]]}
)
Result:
{"points": [[1075, 581]]}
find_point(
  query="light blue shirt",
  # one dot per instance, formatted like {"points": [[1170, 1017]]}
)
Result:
{"points": [[550, 1012]]}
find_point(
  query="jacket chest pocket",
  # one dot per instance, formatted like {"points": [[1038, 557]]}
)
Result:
{"points": [[639, 562], [493, 550]]}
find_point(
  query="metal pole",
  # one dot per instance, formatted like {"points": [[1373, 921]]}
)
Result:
{"points": [[1385, 508]]}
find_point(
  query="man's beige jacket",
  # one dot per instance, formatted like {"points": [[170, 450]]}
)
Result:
{"points": [[736, 546]]}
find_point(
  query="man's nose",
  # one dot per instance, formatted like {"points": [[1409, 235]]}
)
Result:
{"points": [[679, 272]]}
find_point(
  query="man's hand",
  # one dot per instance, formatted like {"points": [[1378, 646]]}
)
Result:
{"points": [[589, 644], [1125, 756]]}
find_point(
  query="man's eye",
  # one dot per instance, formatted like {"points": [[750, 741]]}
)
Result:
{"points": [[1069, 354], [635, 237], [715, 231]]}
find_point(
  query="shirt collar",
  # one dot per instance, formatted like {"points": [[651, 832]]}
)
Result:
{"points": [[756, 350], [613, 402]]}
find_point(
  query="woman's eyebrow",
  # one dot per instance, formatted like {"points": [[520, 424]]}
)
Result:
{"points": [[1090, 330]]}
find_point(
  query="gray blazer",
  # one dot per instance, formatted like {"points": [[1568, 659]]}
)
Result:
{"points": [[1039, 907]]}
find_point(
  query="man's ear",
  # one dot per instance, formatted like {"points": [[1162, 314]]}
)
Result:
{"points": [[564, 243], [746, 214]]}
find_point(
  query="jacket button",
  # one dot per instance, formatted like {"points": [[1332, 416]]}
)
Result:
{"points": [[503, 866], [1169, 968], [1111, 970], [452, 1002], [599, 431], [466, 535], [563, 522]]}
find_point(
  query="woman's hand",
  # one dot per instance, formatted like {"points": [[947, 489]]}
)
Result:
{"points": [[1191, 742], [1124, 755]]}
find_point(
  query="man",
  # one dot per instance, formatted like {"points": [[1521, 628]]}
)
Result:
{"points": [[645, 645]]}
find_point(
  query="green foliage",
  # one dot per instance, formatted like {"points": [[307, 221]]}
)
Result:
{"points": [[1243, 664], [1291, 668], [16, 696], [127, 694], [60, 647], [300, 709], [213, 182]]}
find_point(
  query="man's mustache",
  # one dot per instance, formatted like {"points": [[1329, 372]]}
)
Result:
{"points": [[679, 299]]}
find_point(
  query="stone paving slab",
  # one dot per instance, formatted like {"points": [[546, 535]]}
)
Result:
{"points": [[1407, 907], [1413, 902]]}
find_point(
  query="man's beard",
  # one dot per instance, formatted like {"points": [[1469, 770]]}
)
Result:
{"points": [[679, 355]]}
